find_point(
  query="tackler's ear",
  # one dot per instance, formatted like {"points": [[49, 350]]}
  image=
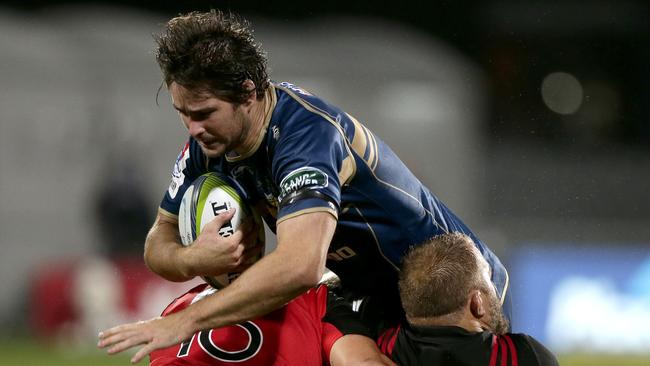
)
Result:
{"points": [[476, 304]]}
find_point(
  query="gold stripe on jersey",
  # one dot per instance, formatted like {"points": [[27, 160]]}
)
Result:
{"points": [[306, 211], [308, 106], [359, 141], [363, 143], [370, 155], [347, 170], [166, 213]]}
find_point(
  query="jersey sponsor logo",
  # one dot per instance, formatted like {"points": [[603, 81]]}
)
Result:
{"points": [[341, 254], [208, 291], [178, 177], [294, 88], [305, 177], [276, 132]]}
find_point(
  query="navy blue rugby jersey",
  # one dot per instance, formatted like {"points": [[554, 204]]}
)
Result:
{"points": [[312, 156]]}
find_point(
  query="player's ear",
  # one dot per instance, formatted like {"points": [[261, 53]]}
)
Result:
{"points": [[249, 85], [477, 305]]}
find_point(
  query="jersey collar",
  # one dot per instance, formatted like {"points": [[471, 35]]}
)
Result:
{"points": [[269, 105]]}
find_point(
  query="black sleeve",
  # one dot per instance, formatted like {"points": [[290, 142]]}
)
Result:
{"points": [[340, 314], [532, 352]]}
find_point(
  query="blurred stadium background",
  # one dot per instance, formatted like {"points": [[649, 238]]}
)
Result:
{"points": [[530, 119]]}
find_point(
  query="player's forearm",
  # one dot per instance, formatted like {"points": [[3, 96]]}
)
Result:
{"points": [[265, 287], [161, 251], [357, 350], [295, 266]]}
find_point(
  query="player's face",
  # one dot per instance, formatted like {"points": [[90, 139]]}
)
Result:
{"points": [[217, 125], [497, 321]]}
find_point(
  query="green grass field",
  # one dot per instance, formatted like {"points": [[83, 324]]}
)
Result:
{"points": [[29, 353], [604, 360]]}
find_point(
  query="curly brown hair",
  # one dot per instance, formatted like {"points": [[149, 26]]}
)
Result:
{"points": [[214, 52], [438, 276]]}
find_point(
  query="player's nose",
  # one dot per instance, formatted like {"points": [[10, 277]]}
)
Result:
{"points": [[195, 128]]}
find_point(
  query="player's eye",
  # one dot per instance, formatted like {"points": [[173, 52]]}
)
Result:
{"points": [[200, 116]]}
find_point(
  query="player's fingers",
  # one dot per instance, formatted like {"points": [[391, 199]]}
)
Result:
{"points": [[220, 220], [112, 331], [128, 343], [237, 236], [107, 339], [120, 332]]}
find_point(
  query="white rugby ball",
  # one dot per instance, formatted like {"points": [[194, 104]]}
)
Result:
{"points": [[208, 196]]}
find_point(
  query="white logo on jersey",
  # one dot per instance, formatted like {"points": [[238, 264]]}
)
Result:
{"points": [[207, 292], [300, 178], [294, 88], [178, 177]]}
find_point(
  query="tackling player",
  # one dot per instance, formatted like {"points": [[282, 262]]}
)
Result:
{"points": [[453, 312], [316, 328], [332, 190]]}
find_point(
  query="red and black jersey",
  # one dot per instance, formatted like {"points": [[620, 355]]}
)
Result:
{"points": [[300, 333], [455, 346]]}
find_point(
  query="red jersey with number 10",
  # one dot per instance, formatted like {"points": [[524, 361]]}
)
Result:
{"points": [[295, 334]]}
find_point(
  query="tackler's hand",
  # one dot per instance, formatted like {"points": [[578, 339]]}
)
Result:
{"points": [[152, 334]]}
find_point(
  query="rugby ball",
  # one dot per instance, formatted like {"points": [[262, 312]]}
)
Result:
{"points": [[208, 196]]}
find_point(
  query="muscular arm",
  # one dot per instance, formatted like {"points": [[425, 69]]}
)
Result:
{"points": [[210, 254], [355, 349], [162, 250], [295, 266]]}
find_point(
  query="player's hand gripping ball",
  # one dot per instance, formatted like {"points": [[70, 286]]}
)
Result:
{"points": [[208, 196]]}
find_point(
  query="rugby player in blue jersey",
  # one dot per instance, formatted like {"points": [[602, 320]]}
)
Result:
{"points": [[332, 190]]}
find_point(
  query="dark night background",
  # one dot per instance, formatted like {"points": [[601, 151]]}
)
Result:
{"points": [[516, 43]]}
